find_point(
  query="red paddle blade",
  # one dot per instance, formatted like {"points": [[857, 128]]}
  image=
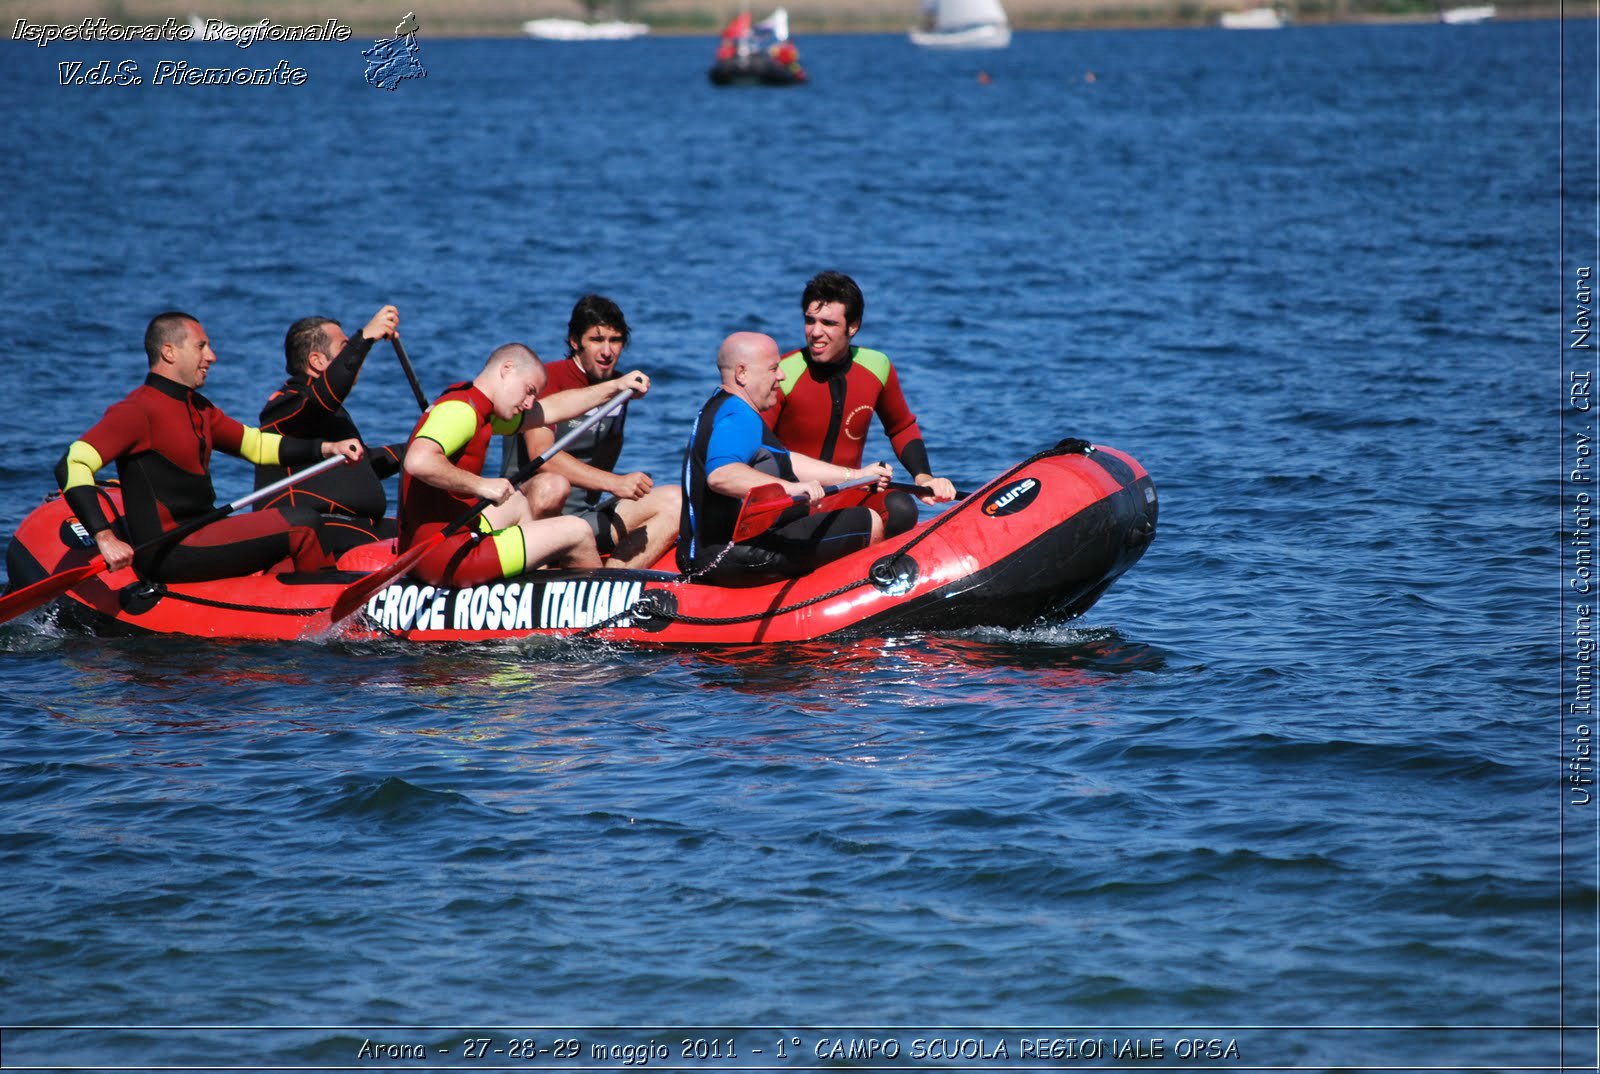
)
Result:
{"points": [[45, 590], [358, 593], [762, 507]]}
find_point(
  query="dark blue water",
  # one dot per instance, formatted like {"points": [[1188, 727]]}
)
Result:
{"points": [[1296, 783]]}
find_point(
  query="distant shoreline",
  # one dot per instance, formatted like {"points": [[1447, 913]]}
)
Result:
{"points": [[698, 18]]}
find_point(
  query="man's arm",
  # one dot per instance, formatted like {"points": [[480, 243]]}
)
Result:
{"points": [[426, 461], [905, 436], [826, 473], [736, 437], [630, 486], [273, 449], [574, 402], [329, 391], [386, 460], [77, 470], [736, 479], [119, 431]]}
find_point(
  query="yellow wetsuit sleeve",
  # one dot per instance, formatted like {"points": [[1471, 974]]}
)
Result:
{"points": [[451, 424], [259, 447], [83, 462]]}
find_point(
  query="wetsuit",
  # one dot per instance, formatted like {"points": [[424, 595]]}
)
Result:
{"points": [[825, 409], [352, 496], [727, 430], [161, 437], [599, 447], [462, 423]]}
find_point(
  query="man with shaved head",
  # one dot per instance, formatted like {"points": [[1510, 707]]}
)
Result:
{"points": [[731, 451], [442, 477]]}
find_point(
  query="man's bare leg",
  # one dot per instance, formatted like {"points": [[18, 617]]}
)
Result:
{"points": [[563, 542], [651, 525], [546, 494]]}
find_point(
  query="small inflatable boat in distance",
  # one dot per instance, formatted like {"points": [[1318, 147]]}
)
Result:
{"points": [[1041, 542], [759, 55]]}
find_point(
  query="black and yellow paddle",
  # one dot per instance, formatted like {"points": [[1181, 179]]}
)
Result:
{"points": [[29, 597]]}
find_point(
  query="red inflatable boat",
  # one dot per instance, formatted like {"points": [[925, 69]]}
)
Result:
{"points": [[1043, 540]]}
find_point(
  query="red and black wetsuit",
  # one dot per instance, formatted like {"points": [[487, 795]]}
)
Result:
{"points": [[825, 409], [160, 438], [352, 496]]}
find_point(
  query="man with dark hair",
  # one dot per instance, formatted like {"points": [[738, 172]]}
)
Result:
{"points": [[443, 477], [730, 452], [161, 437], [323, 365], [830, 389], [634, 521]]}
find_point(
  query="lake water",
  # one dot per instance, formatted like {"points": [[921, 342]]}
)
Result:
{"points": [[1299, 787]]}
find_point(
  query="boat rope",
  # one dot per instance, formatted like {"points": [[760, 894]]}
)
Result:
{"points": [[647, 607]]}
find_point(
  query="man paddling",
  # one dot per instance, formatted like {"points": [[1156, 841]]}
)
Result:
{"points": [[731, 451], [161, 437], [442, 474], [323, 364], [633, 519], [830, 389]]}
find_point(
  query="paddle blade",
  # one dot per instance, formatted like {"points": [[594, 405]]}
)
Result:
{"points": [[763, 505], [45, 590], [358, 593]]}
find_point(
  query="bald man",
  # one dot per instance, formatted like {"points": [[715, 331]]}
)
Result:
{"points": [[731, 451], [442, 475]]}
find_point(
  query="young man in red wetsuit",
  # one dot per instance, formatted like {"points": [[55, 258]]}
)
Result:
{"points": [[634, 520], [830, 390], [323, 365], [443, 477], [161, 437]]}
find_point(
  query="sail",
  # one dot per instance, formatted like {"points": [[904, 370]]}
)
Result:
{"points": [[739, 26], [776, 24], [958, 14]]}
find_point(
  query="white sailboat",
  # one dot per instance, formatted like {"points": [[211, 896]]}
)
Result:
{"points": [[963, 24], [1462, 16], [578, 30], [1255, 18], [211, 29]]}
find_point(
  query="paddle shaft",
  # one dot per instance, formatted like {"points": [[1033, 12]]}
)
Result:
{"points": [[411, 374], [360, 592], [43, 591], [920, 490]]}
